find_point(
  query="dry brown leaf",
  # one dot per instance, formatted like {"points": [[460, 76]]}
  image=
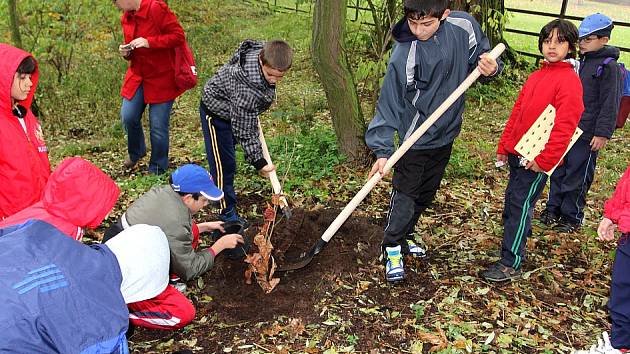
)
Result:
{"points": [[296, 327]]}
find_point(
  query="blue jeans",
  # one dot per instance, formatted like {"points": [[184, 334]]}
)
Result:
{"points": [[159, 114]]}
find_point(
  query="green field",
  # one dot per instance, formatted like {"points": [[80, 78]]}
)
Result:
{"points": [[533, 23]]}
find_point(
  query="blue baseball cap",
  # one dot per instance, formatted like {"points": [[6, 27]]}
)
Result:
{"points": [[191, 178], [597, 24]]}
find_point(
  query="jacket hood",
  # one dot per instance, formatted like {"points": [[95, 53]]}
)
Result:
{"points": [[142, 277], [77, 191], [11, 59], [401, 31], [248, 52], [607, 51]]}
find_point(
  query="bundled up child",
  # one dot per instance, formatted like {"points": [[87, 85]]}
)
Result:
{"points": [[601, 82], [230, 105], [617, 215], [558, 84], [60, 296], [23, 152], [436, 49]]}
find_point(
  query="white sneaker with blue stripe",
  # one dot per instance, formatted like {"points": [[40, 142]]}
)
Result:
{"points": [[394, 267], [415, 250]]}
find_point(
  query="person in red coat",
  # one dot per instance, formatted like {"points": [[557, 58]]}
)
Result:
{"points": [[617, 216], [151, 31], [24, 165], [77, 195], [558, 84]]}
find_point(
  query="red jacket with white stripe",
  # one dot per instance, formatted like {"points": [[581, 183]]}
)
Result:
{"points": [[77, 195], [24, 166], [617, 208], [152, 67], [556, 84]]}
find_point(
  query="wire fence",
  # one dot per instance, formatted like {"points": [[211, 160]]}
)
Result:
{"points": [[358, 10]]}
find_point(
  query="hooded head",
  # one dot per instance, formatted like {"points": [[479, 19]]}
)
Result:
{"points": [[11, 59], [80, 193], [142, 277]]}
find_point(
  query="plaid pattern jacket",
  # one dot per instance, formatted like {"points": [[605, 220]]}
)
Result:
{"points": [[238, 92]]}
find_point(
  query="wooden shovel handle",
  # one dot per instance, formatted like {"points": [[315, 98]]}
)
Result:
{"points": [[406, 145], [273, 177]]}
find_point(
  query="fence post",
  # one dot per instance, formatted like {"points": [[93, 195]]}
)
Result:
{"points": [[563, 9]]}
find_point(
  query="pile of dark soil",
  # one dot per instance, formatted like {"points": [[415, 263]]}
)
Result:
{"points": [[299, 290]]}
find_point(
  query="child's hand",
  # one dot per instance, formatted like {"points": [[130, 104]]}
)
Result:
{"points": [[378, 167], [266, 170], [139, 42], [227, 241], [606, 230], [532, 165], [124, 51], [598, 142], [487, 66], [210, 226]]}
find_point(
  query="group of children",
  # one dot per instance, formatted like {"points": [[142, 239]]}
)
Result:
{"points": [[436, 49], [141, 267]]}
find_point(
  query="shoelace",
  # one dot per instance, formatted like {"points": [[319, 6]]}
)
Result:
{"points": [[395, 260]]}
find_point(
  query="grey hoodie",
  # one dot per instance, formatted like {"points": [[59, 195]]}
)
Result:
{"points": [[420, 76]]}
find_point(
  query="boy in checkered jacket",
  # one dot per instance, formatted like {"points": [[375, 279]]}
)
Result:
{"points": [[231, 102]]}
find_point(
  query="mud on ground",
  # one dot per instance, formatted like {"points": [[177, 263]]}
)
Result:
{"points": [[227, 308]]}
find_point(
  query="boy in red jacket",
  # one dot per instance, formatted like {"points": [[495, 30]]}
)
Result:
{"points": [[24, 166], [617, 214], [558, 84]]}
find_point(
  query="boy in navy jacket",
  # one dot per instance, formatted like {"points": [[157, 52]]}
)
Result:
{"points": [[601, 81], [436, 49]]}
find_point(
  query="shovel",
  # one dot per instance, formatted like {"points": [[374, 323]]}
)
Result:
{"points": [[306, 257], [273, 177]]}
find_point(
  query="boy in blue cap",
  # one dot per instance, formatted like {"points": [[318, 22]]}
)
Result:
{"points": [[436, 49], [171, 207], [601, 83]]}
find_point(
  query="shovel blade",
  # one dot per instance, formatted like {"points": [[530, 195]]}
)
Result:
{"points": [[304, 259]]}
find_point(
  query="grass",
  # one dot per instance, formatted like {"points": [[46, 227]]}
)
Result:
{"points": [[618, 12]]}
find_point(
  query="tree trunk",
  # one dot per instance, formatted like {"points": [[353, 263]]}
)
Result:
{"points": [[14, 24], [491, 16], [331, 64]]}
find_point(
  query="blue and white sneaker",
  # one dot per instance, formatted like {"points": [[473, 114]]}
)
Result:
{"points": [[394, 266], [415, 250]]}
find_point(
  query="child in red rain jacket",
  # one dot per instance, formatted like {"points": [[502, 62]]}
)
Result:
{"points": [[24, 166], [617, 214], [558, 84]]}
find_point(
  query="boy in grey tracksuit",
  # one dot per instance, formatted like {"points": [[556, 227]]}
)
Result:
{"points": [[171, 207], [436, 49]]}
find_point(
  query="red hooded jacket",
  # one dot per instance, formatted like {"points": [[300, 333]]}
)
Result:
{"points": [[24, 166], [617, 208], [152, 67], [556, 84], [77, 195]]}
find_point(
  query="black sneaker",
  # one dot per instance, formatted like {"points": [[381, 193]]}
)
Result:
{"points": [[548, 218], [500, 273], [565, 226]]}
